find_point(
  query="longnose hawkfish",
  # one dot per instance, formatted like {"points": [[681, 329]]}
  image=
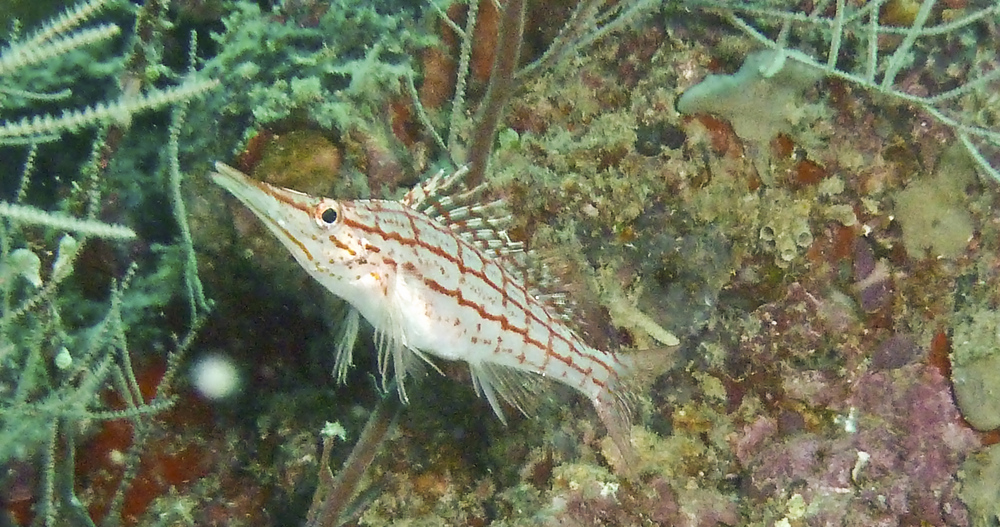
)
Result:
{"points": [[430, 275]]}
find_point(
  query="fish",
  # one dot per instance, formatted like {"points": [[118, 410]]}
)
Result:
{"points": [[435, 275]]}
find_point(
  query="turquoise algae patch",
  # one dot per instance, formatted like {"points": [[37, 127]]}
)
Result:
{"points": [[761, 100]]}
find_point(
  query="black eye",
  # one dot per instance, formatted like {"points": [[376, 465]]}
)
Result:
{"points": [[328, 216]]}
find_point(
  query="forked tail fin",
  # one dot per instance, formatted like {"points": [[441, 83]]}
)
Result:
{"points": [[612, 406]]}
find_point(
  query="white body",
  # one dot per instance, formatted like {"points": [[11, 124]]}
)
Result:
{"points": [[433, 285]]}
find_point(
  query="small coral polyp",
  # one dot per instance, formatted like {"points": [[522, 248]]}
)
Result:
{"points": [[786, 233]]}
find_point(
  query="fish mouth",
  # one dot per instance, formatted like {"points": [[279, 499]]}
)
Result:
{"points": [[259, 195], [275, 206]]}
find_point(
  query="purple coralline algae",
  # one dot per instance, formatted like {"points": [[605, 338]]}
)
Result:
{"points": [[890, 460]]}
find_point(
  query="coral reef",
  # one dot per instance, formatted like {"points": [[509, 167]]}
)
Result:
{"points": [[979, 486], [973, 366], [932, 211], [803, 283]]}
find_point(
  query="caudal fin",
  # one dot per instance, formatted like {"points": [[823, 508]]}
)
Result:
{"points": [[614, 403], [612, 406]]}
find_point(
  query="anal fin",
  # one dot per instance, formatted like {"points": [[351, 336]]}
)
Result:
{"points": [[494, 382]]}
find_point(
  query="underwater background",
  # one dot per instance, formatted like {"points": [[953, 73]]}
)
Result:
{"points": [[784, 210]]}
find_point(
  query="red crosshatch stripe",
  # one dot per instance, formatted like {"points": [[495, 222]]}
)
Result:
{"points": [[298, 205], [342, 246], [481, 275], [419, 244], [269, 190], [504, 324], [294, 240]]}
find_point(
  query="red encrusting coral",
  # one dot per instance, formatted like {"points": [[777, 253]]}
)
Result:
{"points": [[165, 463], [183, 451]]}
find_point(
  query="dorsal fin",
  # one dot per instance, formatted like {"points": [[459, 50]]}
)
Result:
{"points": [[446, 199]]}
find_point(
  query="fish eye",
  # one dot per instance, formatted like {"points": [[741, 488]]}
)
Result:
{"points": [[329, 215], [326, 213]]}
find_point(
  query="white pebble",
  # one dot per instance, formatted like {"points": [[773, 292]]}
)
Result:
{"points": [[215, 377]]}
